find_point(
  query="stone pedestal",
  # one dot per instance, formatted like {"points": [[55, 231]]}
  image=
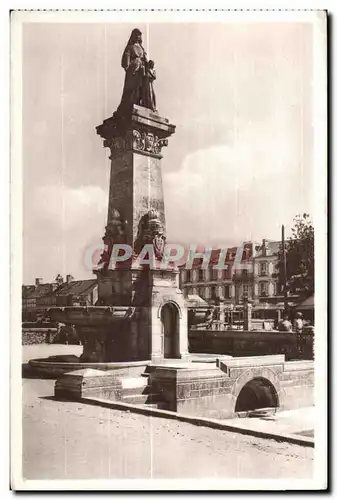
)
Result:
{"points": [[136, 217], [135, 143]]}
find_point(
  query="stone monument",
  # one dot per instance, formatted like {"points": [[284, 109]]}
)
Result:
{"points": [[141, 318], [146, 315]]}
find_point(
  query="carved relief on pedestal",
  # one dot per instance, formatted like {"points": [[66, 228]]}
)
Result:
{"points": [[114, 233], [136, 140], [151, 231]]}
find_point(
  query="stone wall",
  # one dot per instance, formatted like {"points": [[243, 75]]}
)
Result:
{"points": [[213, 391], [38, 335], [297, 384], [251, 343]]}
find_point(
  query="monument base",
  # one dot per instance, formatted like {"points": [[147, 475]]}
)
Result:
{"points": [[219, 389]]}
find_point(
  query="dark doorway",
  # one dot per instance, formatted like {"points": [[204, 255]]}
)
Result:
{"points": [[258, 393], [170, 322]]}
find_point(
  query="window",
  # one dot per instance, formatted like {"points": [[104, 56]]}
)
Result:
{"points": [[200, 275], [263, 269], [226, 291], [188, 275], [214, 274], [213, 292], [246, 254], [245, 289], [231, 255], [226, 273], [263, 289]]}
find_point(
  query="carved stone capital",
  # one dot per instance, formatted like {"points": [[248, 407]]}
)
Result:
{"points": [[136, 140]]}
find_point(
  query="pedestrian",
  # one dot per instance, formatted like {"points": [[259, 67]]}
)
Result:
{"points": [[298, 322], [285, 324]]}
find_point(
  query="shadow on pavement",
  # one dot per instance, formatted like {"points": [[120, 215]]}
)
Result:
{"points": [[28, 372]]}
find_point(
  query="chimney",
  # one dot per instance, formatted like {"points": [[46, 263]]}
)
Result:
{"points": [[69, 278], [38, 281]]}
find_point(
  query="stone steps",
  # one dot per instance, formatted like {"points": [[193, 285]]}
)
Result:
{"points": [[138, 390], [142, 399], [161, 405], [135, 391]]}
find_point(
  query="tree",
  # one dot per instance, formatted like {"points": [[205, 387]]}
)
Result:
{"points": [[300, 257], [59, 280]]}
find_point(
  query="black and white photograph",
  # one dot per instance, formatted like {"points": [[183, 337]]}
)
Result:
{"points": [[168, 249]]}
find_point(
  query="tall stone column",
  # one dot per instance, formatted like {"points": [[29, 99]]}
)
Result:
{"points": [[136, 217], [136, 213]]}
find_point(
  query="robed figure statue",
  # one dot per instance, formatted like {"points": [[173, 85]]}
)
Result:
{"points": [[139, 76]]}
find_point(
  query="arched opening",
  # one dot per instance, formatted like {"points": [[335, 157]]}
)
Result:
{"points": [[256, 394], [170, 322]]}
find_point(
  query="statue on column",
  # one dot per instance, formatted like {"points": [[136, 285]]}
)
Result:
{"points": [[139, 76]]}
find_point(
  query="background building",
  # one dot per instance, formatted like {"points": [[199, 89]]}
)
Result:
{"points": [[38, 298], [258, 278]]}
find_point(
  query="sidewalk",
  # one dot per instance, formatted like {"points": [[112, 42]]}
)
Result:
{"points": [[69, 440], [281, 422]]}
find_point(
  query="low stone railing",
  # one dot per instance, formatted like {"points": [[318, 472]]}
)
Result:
{"points": [[252, 343], [32, 336]]}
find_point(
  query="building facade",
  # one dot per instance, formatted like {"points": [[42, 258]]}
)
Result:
{"points": [[38, 298], [266, 281], [254, 275]]}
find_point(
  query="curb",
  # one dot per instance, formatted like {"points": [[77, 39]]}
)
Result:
{"points": [[201, 421]]}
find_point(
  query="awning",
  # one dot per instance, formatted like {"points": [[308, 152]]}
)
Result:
{"points": [[307, 304], [196, 301]]}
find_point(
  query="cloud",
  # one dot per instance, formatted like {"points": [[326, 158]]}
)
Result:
{"points": [[60, 225], [69, 207], [235, 193]]}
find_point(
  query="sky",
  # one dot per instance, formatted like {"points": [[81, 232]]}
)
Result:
{"points": [[238, 167]]}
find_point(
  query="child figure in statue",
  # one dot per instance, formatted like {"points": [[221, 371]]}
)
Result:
{"points": [[149, 97]]}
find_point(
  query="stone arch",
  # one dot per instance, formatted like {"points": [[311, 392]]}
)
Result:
{"points": [[170, 324], [169, 301], [256, 394], [263, 375]]}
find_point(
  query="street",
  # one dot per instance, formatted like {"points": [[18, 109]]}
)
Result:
{"points": [[68, 440]]}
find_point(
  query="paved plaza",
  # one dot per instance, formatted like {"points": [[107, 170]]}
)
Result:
{"points": [[69, 440], [290, 422]]}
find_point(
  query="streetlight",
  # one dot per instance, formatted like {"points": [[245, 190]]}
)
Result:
{"points": [[284, 264]]}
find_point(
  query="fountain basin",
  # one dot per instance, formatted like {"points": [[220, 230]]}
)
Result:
{"points": [[55, 366], [91, 315], [107, 333]]}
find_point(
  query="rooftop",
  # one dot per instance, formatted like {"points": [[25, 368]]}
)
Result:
{"points": [[75, 287]]}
